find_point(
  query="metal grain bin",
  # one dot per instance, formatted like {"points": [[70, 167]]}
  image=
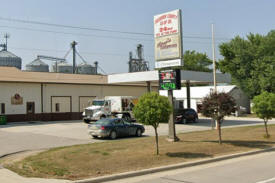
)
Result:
{"points": [[9, 59], [37, 66], [63, 67], [85, 68]]}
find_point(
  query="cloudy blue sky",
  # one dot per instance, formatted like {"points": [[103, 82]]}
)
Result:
{"points": [[231, 18]]}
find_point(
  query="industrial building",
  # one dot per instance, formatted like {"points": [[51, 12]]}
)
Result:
{"points": [[31, 96], [57, 93], [62, 94]]}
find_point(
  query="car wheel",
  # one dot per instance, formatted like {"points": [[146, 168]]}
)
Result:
{"points": [[95, 137], [139, 132], [113, 135], [103, 116], [87, 121]]}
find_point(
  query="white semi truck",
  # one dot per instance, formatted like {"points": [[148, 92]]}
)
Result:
{"points": [[110, 106]]}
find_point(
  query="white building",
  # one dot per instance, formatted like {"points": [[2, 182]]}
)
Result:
{"points": [[199, 92], [31, 96]]}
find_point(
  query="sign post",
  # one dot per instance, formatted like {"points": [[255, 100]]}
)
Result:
{"points": [[168, 54]]}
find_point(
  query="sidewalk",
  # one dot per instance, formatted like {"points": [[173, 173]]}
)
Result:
{"points": [[7, 176]]}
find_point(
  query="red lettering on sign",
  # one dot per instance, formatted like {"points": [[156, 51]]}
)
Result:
{"points": [[160, 18], [172, 16]]}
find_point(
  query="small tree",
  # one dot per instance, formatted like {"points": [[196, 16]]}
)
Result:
{"points": [[152, 109], [217, 106], [264, 107]]}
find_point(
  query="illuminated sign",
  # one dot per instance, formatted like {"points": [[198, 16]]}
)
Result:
{"points": [[168, 41], [169, 80]]}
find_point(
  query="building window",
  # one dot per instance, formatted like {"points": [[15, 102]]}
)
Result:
{"points": [[3, 108], [57, 107]]}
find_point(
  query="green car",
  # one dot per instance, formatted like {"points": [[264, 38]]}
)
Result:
{"points": [[114, 127]]}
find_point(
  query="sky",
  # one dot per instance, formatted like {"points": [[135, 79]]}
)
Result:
{"points": [[111, 49]]}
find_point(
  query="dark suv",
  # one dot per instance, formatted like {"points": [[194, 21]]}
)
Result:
{"points": [[187, 115]]}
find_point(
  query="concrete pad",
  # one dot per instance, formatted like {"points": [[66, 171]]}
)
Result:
{"points": [[7, 176]]}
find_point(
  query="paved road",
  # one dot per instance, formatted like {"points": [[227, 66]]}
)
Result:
{"points": [[251, 169], [33, 136], [16, 137]]}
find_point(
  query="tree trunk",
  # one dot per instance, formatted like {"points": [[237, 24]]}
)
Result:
{"points": [[157, 140], [212, 124], [219, 130], [266, 131]]}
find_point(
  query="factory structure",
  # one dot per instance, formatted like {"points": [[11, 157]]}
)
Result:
{"points": [[7, 58], [59, 92], [138, 64], [60, 65], [62, 91]]}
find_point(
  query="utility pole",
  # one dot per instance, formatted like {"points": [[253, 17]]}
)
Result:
{"points": [[214, 60], [6, 36], [74, 51], [214, 68]]}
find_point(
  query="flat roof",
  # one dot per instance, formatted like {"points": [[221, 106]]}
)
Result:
{"points": [[12, 74], [153, 76]]}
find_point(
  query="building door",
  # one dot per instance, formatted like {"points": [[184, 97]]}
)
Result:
{"points": [[61, 107], [61, 104], [30, 111]]}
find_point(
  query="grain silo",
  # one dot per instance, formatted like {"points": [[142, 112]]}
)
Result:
{"points": [[37, 66], [9, 59], [85, 68], [63, 67]]}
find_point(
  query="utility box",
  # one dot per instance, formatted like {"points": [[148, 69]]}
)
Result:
{"points": [[3, 120]]}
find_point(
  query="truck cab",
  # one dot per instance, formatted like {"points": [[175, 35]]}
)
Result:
{"points": [[100, 108], [119, 106]]}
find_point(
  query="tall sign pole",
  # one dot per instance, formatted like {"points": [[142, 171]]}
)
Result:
{"points": [[214, 67], [214, 59], [168, 55]]}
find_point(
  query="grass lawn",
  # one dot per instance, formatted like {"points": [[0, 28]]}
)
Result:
{"points": [[98, 159], [249, 115]]}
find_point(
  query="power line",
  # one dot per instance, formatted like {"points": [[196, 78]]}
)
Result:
{"points": [[71, 26], [93, 29], [78, 34], [64, 51]]}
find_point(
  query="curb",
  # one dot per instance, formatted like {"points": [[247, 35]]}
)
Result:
{"points": [[170, 167], [9, 154]]}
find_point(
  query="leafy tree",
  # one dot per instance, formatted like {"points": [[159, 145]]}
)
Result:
{"points": [[251, 62], [264, 107], [217, 106], [152, 109], [196, 61]]}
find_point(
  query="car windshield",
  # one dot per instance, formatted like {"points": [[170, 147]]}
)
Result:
{"points": [[98, 102], [104, 122]]}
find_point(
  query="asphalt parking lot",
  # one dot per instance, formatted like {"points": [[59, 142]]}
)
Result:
{"points": [[16, 137]]}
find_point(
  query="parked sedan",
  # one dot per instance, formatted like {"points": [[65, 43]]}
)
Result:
{"points": [[187, 115], [114, 127]]}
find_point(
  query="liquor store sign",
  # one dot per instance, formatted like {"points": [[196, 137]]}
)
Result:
{"points": [[169, 80], [168, 42]]}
